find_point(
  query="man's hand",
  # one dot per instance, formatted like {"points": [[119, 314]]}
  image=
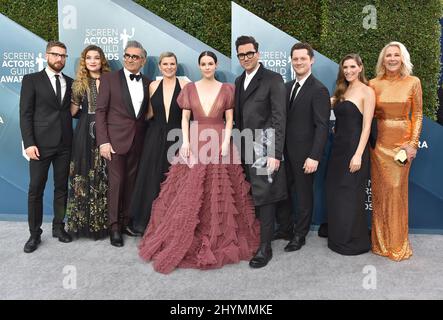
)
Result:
{"points": [[32, 152], [310, 165], [106, 151], [273, 164]]}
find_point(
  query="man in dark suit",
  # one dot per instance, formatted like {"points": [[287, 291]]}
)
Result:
{"points": [[306, 135], [46, 127], [260, 107], [120, 125]]}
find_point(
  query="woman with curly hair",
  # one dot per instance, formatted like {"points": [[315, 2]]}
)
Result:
{"points": [[86, 211]]}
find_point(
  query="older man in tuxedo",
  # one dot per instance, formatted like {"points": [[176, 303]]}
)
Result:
{"points": [[46, 127], [120, 124]]}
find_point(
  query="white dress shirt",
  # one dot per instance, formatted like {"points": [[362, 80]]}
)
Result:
{"points": [[301, 82], [135, 90], [51, 75], [248, 77]]}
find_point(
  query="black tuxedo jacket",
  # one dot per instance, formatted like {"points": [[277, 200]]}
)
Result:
{"points": [[263, 106], [43, 121], [307, 121]]}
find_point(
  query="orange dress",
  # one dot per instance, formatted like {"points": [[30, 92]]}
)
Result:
{"points": [[399, 116]]}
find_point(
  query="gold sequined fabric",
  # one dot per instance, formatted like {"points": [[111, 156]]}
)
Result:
{"points": [[399, 120]]}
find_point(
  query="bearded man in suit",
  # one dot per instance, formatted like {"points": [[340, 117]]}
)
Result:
{"points": [[46, 128]]}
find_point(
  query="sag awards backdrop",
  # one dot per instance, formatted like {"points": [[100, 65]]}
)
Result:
{"points": [[120, 21]]}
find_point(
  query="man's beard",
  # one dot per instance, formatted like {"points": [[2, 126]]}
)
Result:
{"points": [[57, 69]]}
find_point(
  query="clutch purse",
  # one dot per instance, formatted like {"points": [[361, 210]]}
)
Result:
{"points": [[401, 157]]}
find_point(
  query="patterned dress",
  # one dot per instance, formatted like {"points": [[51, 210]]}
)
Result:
{"points": [[87, 204]]}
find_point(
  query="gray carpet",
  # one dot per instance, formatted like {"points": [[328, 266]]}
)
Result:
{"points": [[107, 272]]}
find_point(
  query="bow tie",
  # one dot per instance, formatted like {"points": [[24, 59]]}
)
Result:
{"points": [[135, 76]]}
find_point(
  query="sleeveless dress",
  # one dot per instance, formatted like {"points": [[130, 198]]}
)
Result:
{"points": [[348, 232], [204, 216], [153, 162], [398, 109], [87, 211]]}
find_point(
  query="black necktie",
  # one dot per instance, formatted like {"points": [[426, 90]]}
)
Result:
{"points": [[135, 76], [58, 89], [294, 92]]}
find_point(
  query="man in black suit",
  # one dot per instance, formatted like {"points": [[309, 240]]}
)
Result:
{"points": [[260, 107], [46, 127], [306, 135]]}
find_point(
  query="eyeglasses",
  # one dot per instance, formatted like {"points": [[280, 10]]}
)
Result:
{"points": [[134, 57], [249, 54], [58, 55]]}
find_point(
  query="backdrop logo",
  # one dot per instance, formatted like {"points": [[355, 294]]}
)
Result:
{"points": [[109, 39], [16, 64], [277, 61], [423, 144], [368, 199]]}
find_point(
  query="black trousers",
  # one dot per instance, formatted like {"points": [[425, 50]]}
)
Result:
{"points": [[266, 215], [38, 172], [303, 189]]}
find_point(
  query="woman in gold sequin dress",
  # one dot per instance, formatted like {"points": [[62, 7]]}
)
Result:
{"points": [[399, 116]]}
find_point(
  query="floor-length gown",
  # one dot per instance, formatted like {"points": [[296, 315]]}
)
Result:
{"points": [[88, 184], [204, 216], [345, 191], [398, 110], [154, 162]]}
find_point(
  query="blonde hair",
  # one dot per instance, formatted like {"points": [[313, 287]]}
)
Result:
{"points": [[166, 54], [80, 85], [406, 66]]}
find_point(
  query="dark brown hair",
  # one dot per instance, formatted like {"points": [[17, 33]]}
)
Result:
{"points": [[303, 45], [341, 85], [55, 43], [242, 40]]}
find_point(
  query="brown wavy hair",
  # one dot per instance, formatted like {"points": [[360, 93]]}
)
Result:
{"points": [[80, 85], [341, 85]]}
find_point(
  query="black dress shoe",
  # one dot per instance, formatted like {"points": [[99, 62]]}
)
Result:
{"points": [[61, 234], [32, 244], [295, 244], [132, 232], [116, 239], [323, 230], [262, 257]]}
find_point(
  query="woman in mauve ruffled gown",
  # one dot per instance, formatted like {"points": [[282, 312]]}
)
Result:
{"points": [[204, 215]]}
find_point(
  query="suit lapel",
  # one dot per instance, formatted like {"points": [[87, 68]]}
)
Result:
{"points": [[303, 90], [255, 82], [50, 89], [68, 86], [125, 93], [145, 96]]}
